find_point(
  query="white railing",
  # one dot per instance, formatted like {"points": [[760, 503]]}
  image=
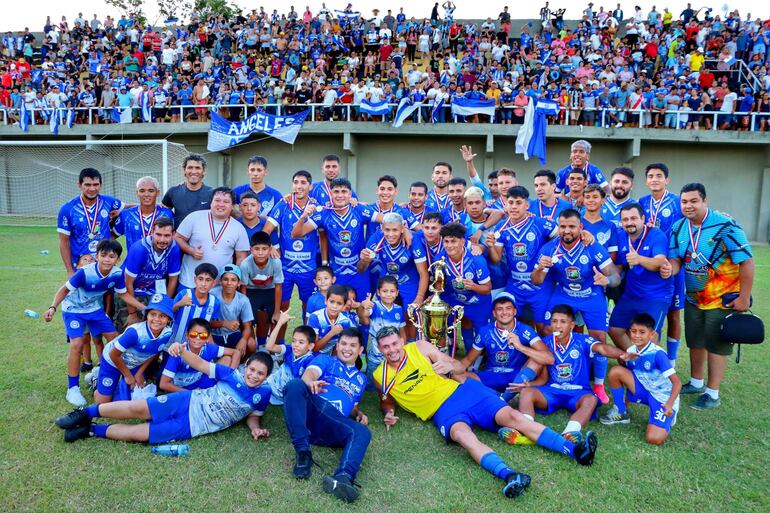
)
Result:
{"points": [[348, 112]]}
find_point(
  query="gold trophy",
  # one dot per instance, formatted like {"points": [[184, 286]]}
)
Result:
{"points": [[432, 319]]}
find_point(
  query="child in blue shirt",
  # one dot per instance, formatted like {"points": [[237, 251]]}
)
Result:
{"points": [[379, 313], [296, 356], [329, 322], [323, 279], [196, 303]]}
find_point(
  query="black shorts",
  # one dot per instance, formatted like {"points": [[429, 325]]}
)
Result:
{"points": [[261, 300]]}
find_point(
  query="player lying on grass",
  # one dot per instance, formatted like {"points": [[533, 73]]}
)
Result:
{"points": [[183, 415]]}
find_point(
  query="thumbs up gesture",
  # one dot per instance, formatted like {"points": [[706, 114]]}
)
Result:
{"points": [[599, 278], [367, 303], [632, 257]]}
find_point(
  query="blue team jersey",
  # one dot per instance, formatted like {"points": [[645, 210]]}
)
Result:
{"points": [[346, 383], [268, 197], [502, 357], [88, 286], [593, 174], [182, 317], [653, 370], [184, 376], [226, 403], [291, 368], [552, 213], [450, 215], [297, 255], [410, 220], [382, 316], [321, 193], [345, 234], [319, 321], [400, 261], [137, 345], [316, 301], [131, 223], [610, 210], [571, 369], [436, 202], [662, 214], [640, 283], [146, 266], [605, 233], [470, 267], [86, 226], [521, 245], [573, 271]]}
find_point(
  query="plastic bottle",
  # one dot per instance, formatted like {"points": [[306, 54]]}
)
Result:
{"points": [[172, 450], [44, 252], [31, 313]]}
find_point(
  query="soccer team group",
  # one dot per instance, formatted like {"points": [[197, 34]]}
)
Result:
{"points": [[534, 274]]}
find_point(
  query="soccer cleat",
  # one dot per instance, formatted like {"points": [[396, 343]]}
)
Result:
{"points": [[303, 468], [75, 398], [705, 402], [601, 393], [513, 437], [516, 484], [77, 433], [613, 416], [91, 378], [573, 436], [86, 366], [586, 450], [73, 419], [341, 487], [688, 389]]}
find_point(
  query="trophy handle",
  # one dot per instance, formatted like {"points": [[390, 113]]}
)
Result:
{"points": [[412, 318]]}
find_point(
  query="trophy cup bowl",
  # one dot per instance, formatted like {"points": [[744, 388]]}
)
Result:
{"points": [[431, 318]]}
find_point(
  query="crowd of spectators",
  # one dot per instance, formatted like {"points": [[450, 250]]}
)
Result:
{"points": [[610, 68]]}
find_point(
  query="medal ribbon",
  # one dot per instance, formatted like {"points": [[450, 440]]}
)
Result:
{"points": [[563, 348], [217, 236], [553, 209], [655, 207], [388, 385], [437, 248], [640, 240], [502, 333], [695, 240], [379, 245], [438, 200], [91, 222], [146, 232], [457, 269]]}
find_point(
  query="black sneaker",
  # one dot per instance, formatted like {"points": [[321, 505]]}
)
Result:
{"points": [[77, 433], [516, 484], [73, 419], [303, 468], [586, 450], [86, 367], [341, 487]]}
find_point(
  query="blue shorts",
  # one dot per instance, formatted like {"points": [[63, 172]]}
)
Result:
{"points": [[677, 301], [558, 398], [531, 306], [656, 418], [497, 380], [407, 291], [97, 323], [592, 308], [169, 417], [230, 340], [471, 403], [360, 282], [109, 377], [303, 281], [627, 308]]}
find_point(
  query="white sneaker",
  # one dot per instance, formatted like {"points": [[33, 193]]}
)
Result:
{"points": [[619, 125], [75, 398], [91, 378]]}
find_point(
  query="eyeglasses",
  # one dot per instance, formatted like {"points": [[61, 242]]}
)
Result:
{"points": [[202, 335]]}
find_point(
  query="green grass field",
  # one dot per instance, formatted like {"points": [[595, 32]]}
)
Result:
{"points": [[714, 462]]}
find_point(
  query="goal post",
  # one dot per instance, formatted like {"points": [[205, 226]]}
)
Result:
{"points": [[38, 177]]}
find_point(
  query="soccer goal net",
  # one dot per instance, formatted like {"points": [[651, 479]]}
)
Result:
{"points": [[37, 177]]}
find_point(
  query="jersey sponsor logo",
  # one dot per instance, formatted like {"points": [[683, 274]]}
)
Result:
{"points": [[411, 376], [573, 273], [92, 246], [346, 236], [297, 245], [521, 266], [519, 250], [345, 252]]}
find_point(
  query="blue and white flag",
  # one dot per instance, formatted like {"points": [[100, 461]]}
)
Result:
{"points": [[405, 109], [465, 107], [531, 138], [37, 76], [437, 106], [70, 118], [224, 134], [347, 15], [144, 100], [23, 121], [121, 115], [375, 109], [54, 121]]}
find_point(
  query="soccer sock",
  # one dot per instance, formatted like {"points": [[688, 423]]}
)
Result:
{"points": [[467, 338], [599, 367], [73, 381], [672, 348], [553, 441], [495, 465], [714, 394], [697, 383], [92, 411], [572, 426], [99, 430], [619, 396]]}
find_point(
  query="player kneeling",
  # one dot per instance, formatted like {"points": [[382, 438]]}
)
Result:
{"points": [[650, 379]]}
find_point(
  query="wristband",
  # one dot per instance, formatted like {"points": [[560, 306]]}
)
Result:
{"points": [[52, 306], [526, 374]]}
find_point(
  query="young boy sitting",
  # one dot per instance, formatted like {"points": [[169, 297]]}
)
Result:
{"points": [[235, 315], [178, 375], [650, 380], [262, 282], [296, 357], [329, 322], [324, 278], [81, 299], [196, 303]]}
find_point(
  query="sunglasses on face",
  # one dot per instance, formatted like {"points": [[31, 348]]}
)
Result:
{"points": [[199, 335]]}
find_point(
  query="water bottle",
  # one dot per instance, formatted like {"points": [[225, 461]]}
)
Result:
{"points": [[171, 450], [44, 252], [31, 313]]}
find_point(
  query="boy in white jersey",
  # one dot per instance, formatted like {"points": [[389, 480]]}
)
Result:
{"points": [[650, 379]]}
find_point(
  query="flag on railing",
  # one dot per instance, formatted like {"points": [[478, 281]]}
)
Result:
{"points": [[531, 138], [70, 118], [223, 134], [405, 109], [53, 117], [466, 107], [23, 121], [121, 115], [375, 109], [437, 106], [144, 101]]}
